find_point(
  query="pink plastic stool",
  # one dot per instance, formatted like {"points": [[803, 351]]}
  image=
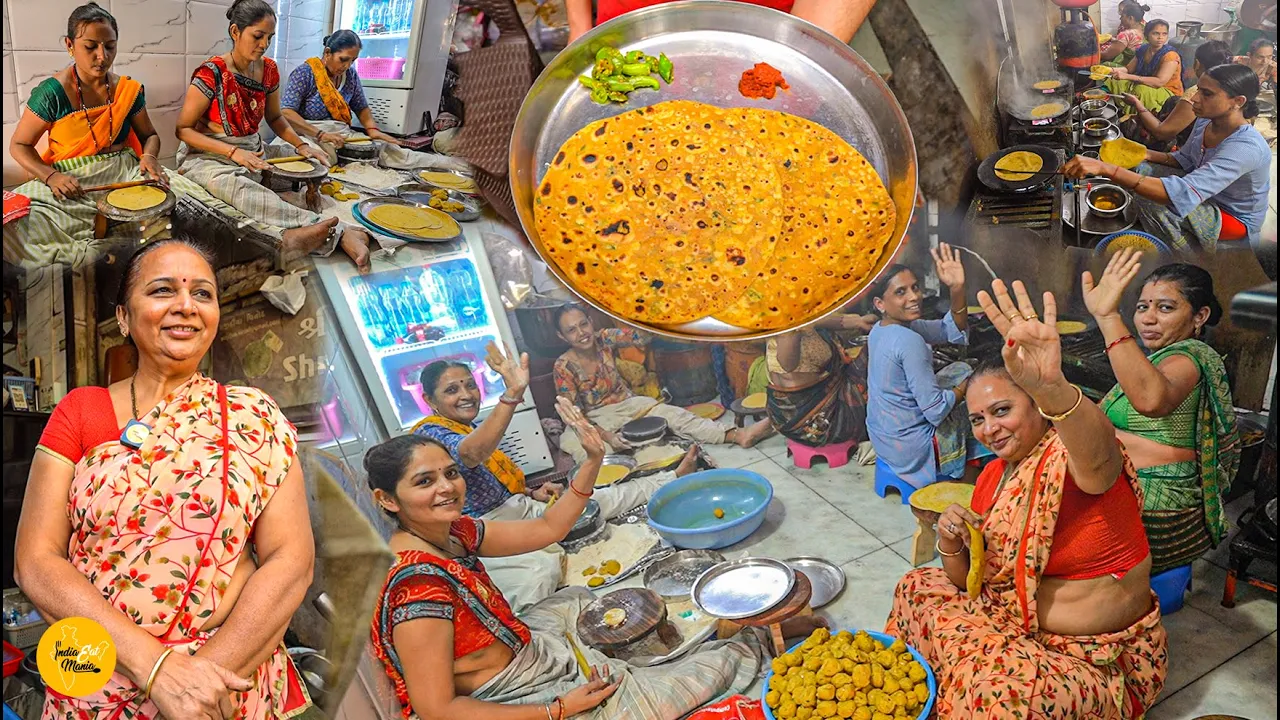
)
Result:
{"points": [[835, 455]]}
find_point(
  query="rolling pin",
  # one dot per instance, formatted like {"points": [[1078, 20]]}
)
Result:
{"points": [[119, 185], [291, 158]]}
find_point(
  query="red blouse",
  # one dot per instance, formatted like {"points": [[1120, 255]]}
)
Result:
{"points": [[82, 420], [423, 585], [246, 98], [1095, 535], [609, 9]]}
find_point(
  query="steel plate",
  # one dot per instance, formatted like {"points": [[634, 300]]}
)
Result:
{"points": [[360, 211], [743, 588], [826, 578], [673, 576], [711, 42]]}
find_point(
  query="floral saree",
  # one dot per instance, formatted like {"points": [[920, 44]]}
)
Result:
{"points": [[991, 658], [160, 530]]}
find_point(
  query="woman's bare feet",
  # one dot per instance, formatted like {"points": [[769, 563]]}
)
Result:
{"points": [[749, 436], [297, 242], [690, 462], [355, 243]]}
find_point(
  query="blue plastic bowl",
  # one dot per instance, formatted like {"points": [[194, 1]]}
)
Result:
{"points": [[930, 681], [683, 510]]}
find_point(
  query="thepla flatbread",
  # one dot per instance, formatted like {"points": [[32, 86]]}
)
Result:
{"points": [[1047, 110], [977, 562], [295, 166], [142, 197], [449, 181], [837, 218], [662, 214], [1048, 85], [1071, 327], [1018, 165], [1123, 152], [425, 223]]}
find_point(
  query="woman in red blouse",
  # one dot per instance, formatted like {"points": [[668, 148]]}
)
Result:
{"points": [[169, 509], [450, 642], [841, 18], [229, 97]]}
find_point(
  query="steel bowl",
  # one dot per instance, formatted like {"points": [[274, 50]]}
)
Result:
{"points": [[625, 461], [1098, 127], [711, 42], [1095, 108], [589, 522], [1114, 194]]}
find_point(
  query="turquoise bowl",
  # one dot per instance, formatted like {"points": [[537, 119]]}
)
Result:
{"points": [[683, 510]]}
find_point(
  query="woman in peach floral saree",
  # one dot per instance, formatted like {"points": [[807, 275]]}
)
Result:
{"points": [[172, 538], [1065, 624]]}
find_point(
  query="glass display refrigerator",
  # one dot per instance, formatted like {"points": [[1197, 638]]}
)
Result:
{"points": [[427, 302], [405, 51]]}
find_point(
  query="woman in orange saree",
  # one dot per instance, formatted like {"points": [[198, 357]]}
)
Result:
{"points": [[99, 133], [1057, 618], [189, 540]]}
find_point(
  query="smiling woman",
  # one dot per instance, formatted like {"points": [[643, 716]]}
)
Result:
{"points": [[242, 558]]}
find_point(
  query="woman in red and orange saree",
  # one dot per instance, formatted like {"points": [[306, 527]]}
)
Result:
{"points": [[98, 133], [221, 151], [189, 541], [1053, 617]]}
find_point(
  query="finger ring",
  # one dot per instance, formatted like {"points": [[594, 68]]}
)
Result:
{"points": [[1014, 316], [952, 528], [1030, 317]]}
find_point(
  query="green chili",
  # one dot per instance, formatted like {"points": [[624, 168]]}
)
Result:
{"points": [[618, 97], [665, 68], [622, 85], [603, 69], [588, 82], [635, 69], [634, 56], [645, 82], [600, 95]]}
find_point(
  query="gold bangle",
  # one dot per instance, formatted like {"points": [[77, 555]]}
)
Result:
{"points": [[1065, 415], [155, 672], [937, 545]]}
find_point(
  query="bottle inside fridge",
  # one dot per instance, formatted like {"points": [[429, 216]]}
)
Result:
{"points": [[412, 316]]}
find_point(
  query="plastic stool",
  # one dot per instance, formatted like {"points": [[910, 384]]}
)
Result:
{"points": [[1170, 586], [835, 455], [886, 478]]}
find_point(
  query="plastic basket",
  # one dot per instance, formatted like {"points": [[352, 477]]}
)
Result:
{"points": [[25, 636], [375, 68]]}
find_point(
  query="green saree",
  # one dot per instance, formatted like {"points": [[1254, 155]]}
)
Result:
{"points": [[1182, 507]]}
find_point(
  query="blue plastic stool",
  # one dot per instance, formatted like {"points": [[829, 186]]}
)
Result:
{"points": [[886, 478], [1170, 586]]}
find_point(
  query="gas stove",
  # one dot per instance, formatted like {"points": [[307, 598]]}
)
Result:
{"points": [[1039, 209], [1055, 133]]}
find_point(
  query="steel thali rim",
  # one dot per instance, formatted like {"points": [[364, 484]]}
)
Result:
{"points": [[688, 29]]}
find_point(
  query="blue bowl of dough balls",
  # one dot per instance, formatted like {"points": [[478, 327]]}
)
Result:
{"points": [[710, 509], [868, 682]]}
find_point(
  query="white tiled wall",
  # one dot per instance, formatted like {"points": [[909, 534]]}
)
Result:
{"points": [[1209, 12], [161, 44]]}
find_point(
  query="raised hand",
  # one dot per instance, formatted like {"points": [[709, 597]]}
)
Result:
{"points": [[946, 260], [514, 370], [1032, 350], [1103, 299], [588, 434]]}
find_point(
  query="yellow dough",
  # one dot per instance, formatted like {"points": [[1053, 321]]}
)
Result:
{"points": [[610, 474], [1070, 327], [295, 166], [418, 221], [614, 617], [977, 562], [449, 180], [1018, 165], [1123, 152], [359, 141], [755, 401], [136, 198]]}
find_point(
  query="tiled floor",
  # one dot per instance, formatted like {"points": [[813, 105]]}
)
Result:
{"points": [[1222, 661]]}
